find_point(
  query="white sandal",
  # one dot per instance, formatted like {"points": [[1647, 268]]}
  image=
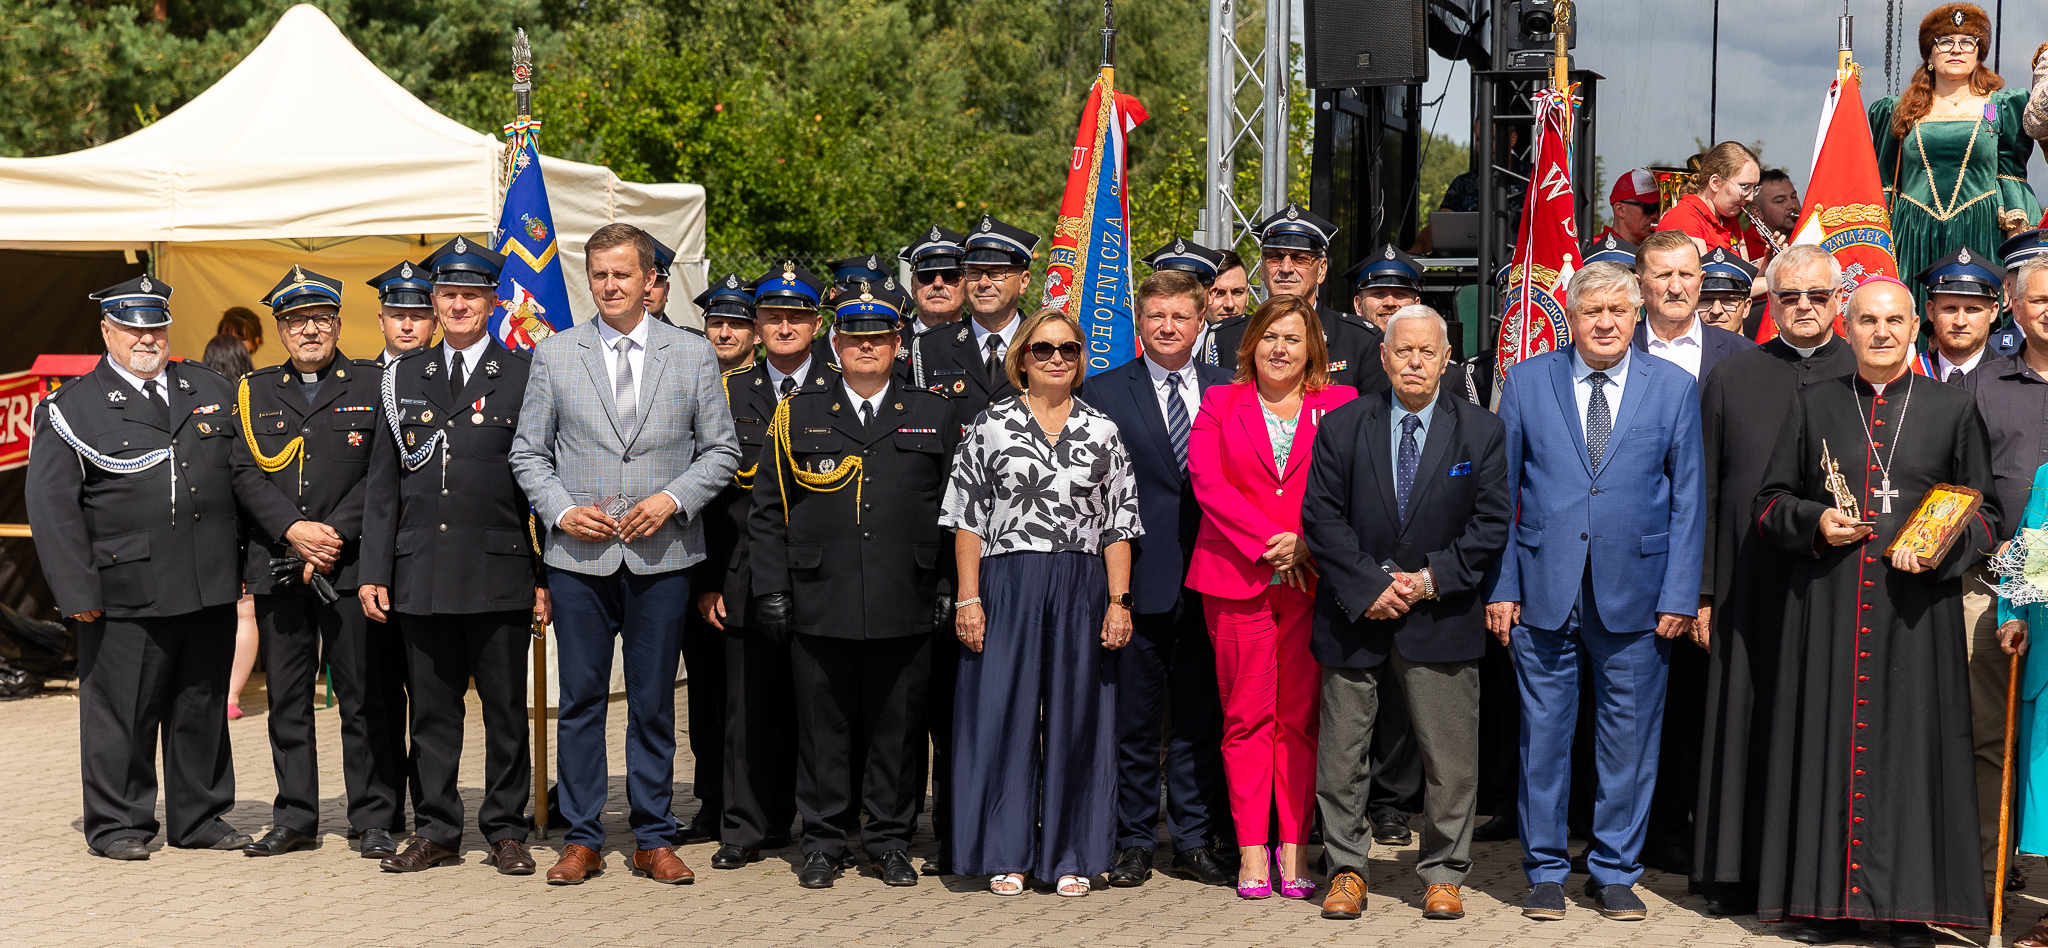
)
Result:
{"points": [[1072, 887], [1008, 883]]}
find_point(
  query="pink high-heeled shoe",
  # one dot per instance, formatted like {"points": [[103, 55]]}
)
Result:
{"points": [[1289, 888], [1257, 890]]}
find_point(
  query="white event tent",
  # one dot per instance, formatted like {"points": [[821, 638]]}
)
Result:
{"points": [[306, 153]]}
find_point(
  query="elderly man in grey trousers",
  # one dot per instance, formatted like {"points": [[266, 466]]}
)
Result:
{"points": [[624, 437], [1407, 508]]}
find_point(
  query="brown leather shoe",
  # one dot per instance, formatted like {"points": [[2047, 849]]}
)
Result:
{"points": [[419, 853], [1442, 902], [663, 866], [577, 863], [1347, 896], [512, 857]]}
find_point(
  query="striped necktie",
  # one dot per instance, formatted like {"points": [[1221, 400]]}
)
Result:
{"points": [[1177, 419]]}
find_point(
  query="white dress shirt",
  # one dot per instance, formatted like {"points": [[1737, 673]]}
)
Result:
{"points": [[636, 354], [1008, 331], [873, 404], [1684, 351], [163, 377], [1617, 375], [1968, 365], [470, 356], [1190, 388], [775, 376]]}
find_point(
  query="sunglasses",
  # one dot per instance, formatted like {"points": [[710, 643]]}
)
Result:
{"points": [[930, 277], [1069, 351], [1813, 297]]}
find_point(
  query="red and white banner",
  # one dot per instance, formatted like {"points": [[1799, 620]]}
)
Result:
{"points": [[19, 393], [1845, 207], [1546, 251]]}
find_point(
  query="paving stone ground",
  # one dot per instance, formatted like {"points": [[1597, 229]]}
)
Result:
{"points": [[52, 892]]}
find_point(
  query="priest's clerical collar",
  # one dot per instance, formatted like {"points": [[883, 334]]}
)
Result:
{"points": [[1806, 353], [1879, 387]]}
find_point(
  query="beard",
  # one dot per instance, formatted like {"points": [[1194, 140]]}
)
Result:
{"points": [[146, 360]]}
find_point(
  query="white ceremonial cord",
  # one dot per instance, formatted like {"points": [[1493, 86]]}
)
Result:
{"points": [[413, 460], [134, 465]]}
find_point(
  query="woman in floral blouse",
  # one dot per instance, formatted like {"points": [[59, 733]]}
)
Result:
{"points": [[1044, 507]]}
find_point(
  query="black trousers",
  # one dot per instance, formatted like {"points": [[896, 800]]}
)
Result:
{"points": [[1169, 661], [1678, 761], [443, 652], [704, 661], [139, 678], [369, 684], [1396, 761], [760, 740], [860, 739], [1500, 725]]}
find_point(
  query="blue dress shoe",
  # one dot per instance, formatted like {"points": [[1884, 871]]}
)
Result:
{"points": [[1618, 902], [1545, 902]]}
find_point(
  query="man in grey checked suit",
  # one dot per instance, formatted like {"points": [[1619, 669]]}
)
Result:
{"points": [[624, 438]]}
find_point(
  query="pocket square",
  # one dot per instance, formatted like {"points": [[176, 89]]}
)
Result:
{"points": [[1462, 467]]}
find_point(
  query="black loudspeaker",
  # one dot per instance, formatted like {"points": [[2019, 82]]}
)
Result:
{"points": [[1353, 43]]}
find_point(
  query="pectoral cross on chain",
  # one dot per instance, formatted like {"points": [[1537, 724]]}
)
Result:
{"points": [[1885, 493]]}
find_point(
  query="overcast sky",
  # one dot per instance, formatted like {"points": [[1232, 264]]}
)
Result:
{"points": [[1777, 58]]}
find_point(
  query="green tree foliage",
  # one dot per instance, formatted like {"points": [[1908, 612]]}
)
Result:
{"points": [[816, 128]]}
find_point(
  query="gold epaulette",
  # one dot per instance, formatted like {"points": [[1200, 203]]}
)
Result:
{"points": [[269, 464]]}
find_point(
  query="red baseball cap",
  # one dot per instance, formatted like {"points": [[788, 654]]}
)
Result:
{"points": [[1635, 184]]}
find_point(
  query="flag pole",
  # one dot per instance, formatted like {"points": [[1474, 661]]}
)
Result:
{"points": [[522, 89]]}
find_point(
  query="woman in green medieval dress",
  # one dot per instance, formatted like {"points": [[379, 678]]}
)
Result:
{"points": [[1951, 150]]}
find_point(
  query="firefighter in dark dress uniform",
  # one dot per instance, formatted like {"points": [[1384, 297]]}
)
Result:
{"points": [[845, 546], [1294, 257], [936, 293], [133, 488], [309, 425], [760, 727], [449, 550]]}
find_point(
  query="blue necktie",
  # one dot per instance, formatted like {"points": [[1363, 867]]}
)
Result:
{"points": [[1177, 419], [1599, 421], [1404, 467]]}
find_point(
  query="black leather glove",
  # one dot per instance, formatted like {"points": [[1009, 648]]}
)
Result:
{"points": [[942, 616], [772, 614], [286, 572]]}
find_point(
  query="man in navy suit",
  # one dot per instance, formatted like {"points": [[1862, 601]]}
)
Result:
{"points": [[1406, 511], [1602, 571], [1154, 399], [1673, 277]]}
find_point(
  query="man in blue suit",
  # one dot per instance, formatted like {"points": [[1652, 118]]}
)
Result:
{"points": [[1154, 399], [1602, 570]]}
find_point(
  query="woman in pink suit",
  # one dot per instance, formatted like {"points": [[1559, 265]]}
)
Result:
{"points": [[1249, 457]]}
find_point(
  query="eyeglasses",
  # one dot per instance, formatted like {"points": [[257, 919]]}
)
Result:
{"points": [[1300, 258], [1964, 44], [1729, 303], [298, 323], [1812, 297], [937, 276], [978, 274], [1069, 351], [1748, 190]]}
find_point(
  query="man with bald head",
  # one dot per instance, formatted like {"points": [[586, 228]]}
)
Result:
{"points": [[1867, 814]]}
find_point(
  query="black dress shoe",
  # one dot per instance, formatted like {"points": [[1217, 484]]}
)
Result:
{"points": [[231, 841], [1499, 829], [377, 844], [1579, 861], [703, 828], [941, 864], [1730, 898], [1391, 830], [1132, 867], [1201, 865], [125, 848], [1667, 855], [818, 871], [2015, 881], [896, 868], [731, 856], [1618, 902], [1912, 935], [277, 842], [1823, 931]]}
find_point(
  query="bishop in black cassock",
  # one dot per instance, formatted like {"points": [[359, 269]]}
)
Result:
{"points": [[1744, 403], [1870, 808]]}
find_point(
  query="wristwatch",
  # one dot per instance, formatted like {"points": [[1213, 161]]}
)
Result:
{"points": [[1125, 600]]}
